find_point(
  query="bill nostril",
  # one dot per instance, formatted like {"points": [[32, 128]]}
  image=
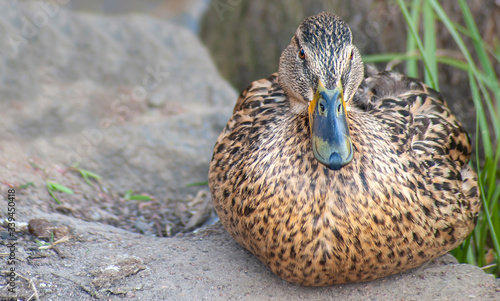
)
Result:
{"points": [[335, 161], [321, 108]]}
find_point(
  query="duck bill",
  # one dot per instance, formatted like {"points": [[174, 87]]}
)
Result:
{"points": [[331, 141]]}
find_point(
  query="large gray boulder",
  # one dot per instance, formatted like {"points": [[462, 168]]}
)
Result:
{"points": [[132, 98], [135, 99]]}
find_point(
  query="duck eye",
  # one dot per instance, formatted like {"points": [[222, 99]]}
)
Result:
{"points": [[302, 54], [352, 55], [339, 108]]}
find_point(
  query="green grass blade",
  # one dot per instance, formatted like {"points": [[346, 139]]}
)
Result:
{"points": [[127, 194], [490, 50], [464, 66], [204, 183], [26, 185], [481, 52], [411, 46], [458, 39], [479, 233], [86, 174], [470, 259], [489, 104], [482, 128], [139, 197], [487, 215], [485, 89], [494, 209], [414, 33], [53, 186], [453, 62], [492, 171], [136, 197], [90, 174], [430, 46], [54, 197]]}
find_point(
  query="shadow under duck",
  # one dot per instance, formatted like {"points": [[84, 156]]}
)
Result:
{"points": [[330, 177]]}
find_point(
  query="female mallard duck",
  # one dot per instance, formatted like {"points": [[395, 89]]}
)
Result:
{"points": [[331, 178]]}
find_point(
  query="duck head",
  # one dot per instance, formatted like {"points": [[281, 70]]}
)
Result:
{"points": [[320, 71]]}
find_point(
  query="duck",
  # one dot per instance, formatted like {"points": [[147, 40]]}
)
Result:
{"points": [[331, 173]]}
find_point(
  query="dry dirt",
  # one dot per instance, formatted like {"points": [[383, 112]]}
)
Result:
{"points": [[106, 263]]}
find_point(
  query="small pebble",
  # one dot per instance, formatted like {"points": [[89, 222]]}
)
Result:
{"points": [[41, 228]]}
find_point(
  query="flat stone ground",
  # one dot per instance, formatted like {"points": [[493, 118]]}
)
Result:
{"points": [[104, 262]]}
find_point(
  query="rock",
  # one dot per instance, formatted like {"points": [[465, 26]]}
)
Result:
{"points": [[134, 99], [61, 231], [41, 228], [118, 269], [209, 265], [187, 12]]}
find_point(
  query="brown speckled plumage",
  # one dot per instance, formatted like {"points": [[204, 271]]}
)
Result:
{"points": [[407, 197]]}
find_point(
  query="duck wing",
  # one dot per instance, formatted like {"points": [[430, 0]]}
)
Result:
{"points": [[427, 133]]}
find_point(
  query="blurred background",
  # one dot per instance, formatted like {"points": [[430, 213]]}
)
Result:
{"points": [[245, 38], [188, 12]]}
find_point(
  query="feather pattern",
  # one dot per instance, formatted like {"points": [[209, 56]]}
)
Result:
{"points": [[407, 197]]}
